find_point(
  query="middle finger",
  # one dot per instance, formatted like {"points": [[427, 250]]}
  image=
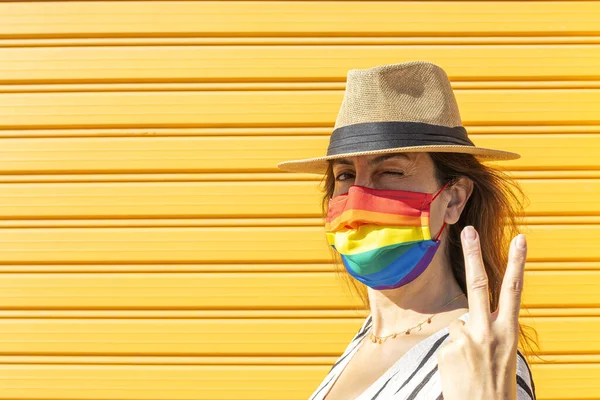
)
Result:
{"points": [[477, 280]]}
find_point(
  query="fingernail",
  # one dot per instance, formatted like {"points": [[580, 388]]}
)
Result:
{"points": [[521, 241], [470, 233]]}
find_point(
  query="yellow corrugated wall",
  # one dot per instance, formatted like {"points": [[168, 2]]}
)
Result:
{"points": [[150, 248]]}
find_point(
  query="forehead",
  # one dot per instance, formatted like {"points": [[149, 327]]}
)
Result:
{"points": [[373, 159]]}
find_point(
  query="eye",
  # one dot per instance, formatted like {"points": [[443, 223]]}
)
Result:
{"points": [[394, 173], [337, 178]]}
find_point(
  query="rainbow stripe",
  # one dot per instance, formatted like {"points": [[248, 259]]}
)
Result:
{"points": [[382, 235], [402, 271], [363, 205]]}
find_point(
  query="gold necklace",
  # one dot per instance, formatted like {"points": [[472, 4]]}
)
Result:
{"points": [[377, 339]]}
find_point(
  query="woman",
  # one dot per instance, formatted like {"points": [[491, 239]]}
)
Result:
{"points": [[414, 216]]}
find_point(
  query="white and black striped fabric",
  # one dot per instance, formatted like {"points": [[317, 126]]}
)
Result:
{"points": [[415, 375]]}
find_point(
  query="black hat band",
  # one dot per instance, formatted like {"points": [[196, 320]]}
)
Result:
{"points": [[370, 136]]}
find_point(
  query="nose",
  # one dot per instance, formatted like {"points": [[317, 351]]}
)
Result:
{"points": [[363, 179], [364, 183]]}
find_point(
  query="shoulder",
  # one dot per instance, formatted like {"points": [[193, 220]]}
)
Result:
{"points": [[362, 331]]}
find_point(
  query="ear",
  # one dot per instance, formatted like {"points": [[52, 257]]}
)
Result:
{"points": [[459, 194]]}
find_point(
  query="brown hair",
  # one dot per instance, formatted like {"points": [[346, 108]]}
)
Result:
{"points": [[496, 197]]}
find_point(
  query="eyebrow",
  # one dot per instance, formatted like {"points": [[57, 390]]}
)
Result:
{"points": [[376, 160]]}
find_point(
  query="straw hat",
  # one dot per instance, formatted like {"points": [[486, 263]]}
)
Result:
{"points": [[405, 107]]}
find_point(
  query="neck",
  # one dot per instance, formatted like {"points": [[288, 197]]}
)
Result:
{"points": [[395, 310]]}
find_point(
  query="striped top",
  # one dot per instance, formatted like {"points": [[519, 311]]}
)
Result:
{"points": [[415, 375]]}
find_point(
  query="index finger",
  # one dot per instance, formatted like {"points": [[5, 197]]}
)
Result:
{"points": [[477, 280]]}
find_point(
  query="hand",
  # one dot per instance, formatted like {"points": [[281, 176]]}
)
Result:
{"points": [[480, 359]]}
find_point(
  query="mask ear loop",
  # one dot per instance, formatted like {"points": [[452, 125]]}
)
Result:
{"points": [[433, 198], [440, 232]]}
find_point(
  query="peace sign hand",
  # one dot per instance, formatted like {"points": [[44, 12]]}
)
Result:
{"points": [[479, 361]]}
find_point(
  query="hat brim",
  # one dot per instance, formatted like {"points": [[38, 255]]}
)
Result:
{"points": [[319, 165]]}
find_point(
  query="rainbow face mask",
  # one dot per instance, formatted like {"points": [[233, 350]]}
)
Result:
{"points": [[382, 235]]}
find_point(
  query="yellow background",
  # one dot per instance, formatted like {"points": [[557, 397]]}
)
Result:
{"points": [[150, 248]]}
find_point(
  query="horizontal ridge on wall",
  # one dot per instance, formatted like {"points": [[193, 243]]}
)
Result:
{"points": [[246, 290], [222, 337], [303, 18], [33, 268], [237, 245], [220, 204], [293, 314], [256, 154], [246, 41], [550, 289], [241, 177], [326, 64], [184, 222], [276, 108], [243, 382], [233, 314], [195, 87], [272, 131], [307, 359]]}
